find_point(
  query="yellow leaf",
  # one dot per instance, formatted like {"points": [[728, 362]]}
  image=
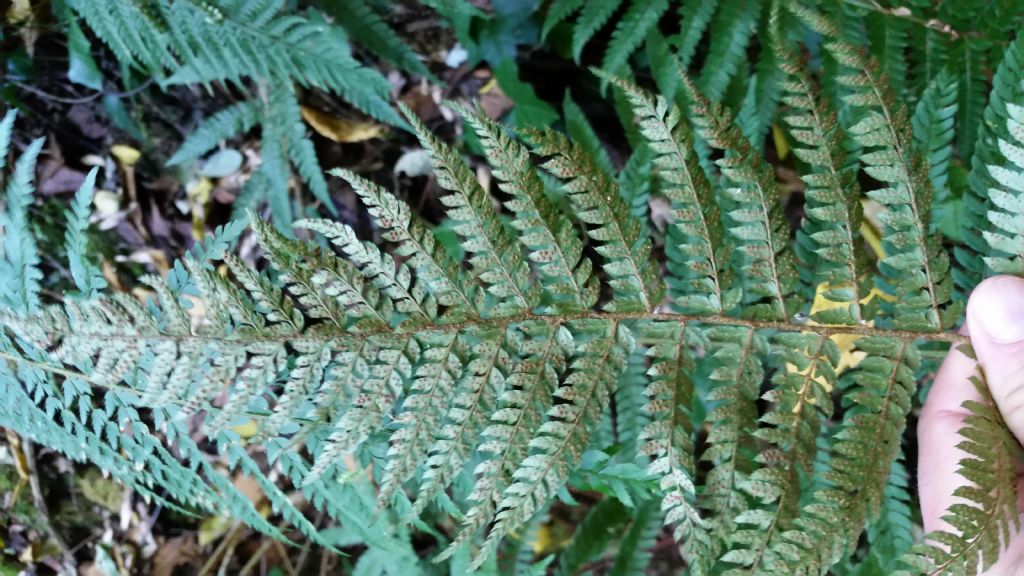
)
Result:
{"points": [[490, 85], [212, 528], [247, 430], [20, 11], [341, 129], [781, 146], [543, 542], [198, 193], [125, 155]]}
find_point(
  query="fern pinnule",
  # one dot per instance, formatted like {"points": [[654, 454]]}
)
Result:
{"points": [[833, 211], [696, 234], [551, 241], [415, 242], [736, 376], [766, 267], [914, 256], [327, 287], [986, 512], [542, 348], [598, 356], [413, 305], [472, 402], [595, 200], [864, 451], [801, 396], [668, 438], [493, 257], [933, 124], [362, 379], [438, 367], [1006, 210]]}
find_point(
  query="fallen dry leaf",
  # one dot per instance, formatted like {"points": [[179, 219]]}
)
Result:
{"points": [[341, 129], [179, 551]]}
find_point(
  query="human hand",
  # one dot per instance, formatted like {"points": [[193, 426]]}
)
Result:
{"points": [[995, 325]]}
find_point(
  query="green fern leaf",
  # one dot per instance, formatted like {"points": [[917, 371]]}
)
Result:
{"points": [[592, 18], [630, 31]]}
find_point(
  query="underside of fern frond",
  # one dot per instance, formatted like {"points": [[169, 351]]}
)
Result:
{"points": [[494, 364]]}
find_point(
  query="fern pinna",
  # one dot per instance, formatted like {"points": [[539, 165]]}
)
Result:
{"points": [[489, 370]]}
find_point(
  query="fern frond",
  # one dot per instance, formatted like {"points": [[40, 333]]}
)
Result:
{"points": [[593, 535], [630, 31], [369, 28], [6, 127], [582, 132], [202, 42], [558, 12], [969, 57], [235, 119], [695, 16], [283, 110], [592, 18], [634, 554], [888, 40], [1006, 209], [759, 106], [327, 287], [731, 32], [981, 210]]}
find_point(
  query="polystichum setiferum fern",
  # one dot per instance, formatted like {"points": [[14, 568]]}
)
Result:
{"points": [[488, 371]]}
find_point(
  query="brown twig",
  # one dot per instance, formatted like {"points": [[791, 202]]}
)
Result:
{"points": [[83, 99], [42, 513]]}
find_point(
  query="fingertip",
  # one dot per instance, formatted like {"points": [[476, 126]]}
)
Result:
{"points": [[996, 308]]}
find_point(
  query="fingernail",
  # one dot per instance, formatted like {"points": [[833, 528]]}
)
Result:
{"points": [[998, 306]]}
